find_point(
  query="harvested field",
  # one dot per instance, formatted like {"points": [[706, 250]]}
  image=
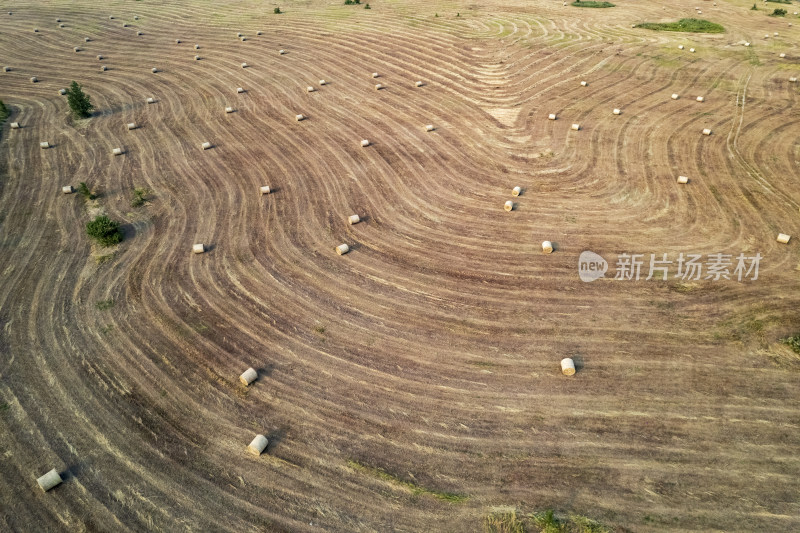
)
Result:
{"points": [[414, 383]]}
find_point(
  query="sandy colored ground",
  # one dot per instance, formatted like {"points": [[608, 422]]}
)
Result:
{"points": [[431, 351]]}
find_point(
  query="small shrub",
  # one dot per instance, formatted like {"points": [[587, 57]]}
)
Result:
{"points": [[87, 194], [277, 11], [793, 343], [105, 231], [778, 13], [105, 304], [754, 8], [348, 2], [367, 7], [139, 197]]}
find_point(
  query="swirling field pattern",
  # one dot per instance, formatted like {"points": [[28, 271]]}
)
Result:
{"points": [[412, 384]]}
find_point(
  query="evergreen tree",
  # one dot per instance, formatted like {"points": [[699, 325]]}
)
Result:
{"points": [[79, 102]]}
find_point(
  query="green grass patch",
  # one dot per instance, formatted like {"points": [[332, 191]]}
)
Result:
{"points": [[778, 13], [415, 489], [780, 1], [139, 197], [4, 112], [548, 522], [587, 3], [105, 304], [105, 231], [503, 522], [685, 25], [4, 407]]}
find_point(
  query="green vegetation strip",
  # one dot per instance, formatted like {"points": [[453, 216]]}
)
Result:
{"points": [[687, 25], [415, 489], [508, 521], [587, 3]]}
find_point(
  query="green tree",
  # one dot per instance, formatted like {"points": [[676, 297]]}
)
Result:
{"points": [[4, 111], [105, 231], [79, 102]]}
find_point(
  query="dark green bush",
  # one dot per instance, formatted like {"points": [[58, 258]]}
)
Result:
{"points": [[105, 231]]}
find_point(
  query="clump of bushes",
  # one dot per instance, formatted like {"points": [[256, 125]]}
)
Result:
{"points": [[105, 231], [277, 11], [4, 112], [778, 13]]}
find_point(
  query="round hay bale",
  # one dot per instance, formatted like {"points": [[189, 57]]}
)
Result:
{"points": [[547, 247], [154, 70], [117, 151], [104, 68], [616, 111], [15, 125], [747, 44], [244, 65], [197, 58], [44, 144], [243, 39], [99, 57], [509, 205], [34, 79], [264, 189], [310, 89], [675, 96], [239, 90], [62, 92], [62, 25], [259, 33], [151, 100], [516, 191], [429, 127], [378, 87], [706, 131], [766, 36], [67, 189], [576, 127], [298, 118], [584, 84], [700, 99], [124, 25], [281, 52], [258, 445], [793, 80], [775, 34], [86, 39], [551, 116], [206, 145], [781, 55], [58, 20], [197, 47], [323, 82], [364, 143], [683, 180], [6, 69], [49, 480], [198, 248], [691, 50], [374, 74], [77, 49], [136, 17], [342, 249], [418, 84], [177, 41], [111, 17], [239, 34], [131, 125], [680, 47], [783, 238], [139, 33], [248, 376], [353, 219], [567, 366], [35, 30], [229, 109]]}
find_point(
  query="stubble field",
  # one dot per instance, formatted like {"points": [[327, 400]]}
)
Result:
{"points": [[412, 384]]}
